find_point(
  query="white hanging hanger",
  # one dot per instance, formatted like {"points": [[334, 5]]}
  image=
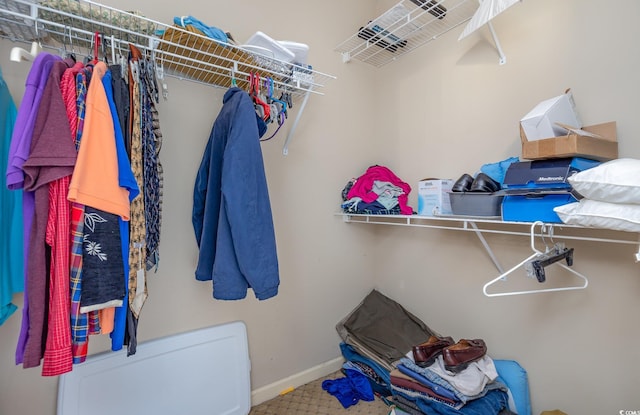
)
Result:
{"points": [[18, 54], [536, 254]]}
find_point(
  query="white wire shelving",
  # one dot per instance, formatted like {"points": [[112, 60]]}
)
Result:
{"points": [[403, 28], [494, 225], [180, 52], [184, 53]]}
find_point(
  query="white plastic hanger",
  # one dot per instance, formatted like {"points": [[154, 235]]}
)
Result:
{"points": [[536, 254], [18, 54]]}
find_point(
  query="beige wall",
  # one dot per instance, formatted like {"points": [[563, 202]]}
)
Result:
{"points": [[441, 111]]}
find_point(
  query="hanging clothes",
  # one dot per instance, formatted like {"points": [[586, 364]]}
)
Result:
{"points": [[127, 180], [79, 321], [57, 358], [151, 172], [18, 153], [95, 180], [102, 177], [67, 158], [231, 209], [120, 88], [137, 228], [52, 157], [102, 275], [11, 242]]}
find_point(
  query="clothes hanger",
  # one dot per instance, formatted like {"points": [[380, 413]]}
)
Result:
{"points": [[283, 105], [18, 54], [254, 79], [538, 255], [67, 50], [558, 254], [234, 82], [151, 77], [92, 55], [286, 97], [122, 61], [279, 115], [96, 45], [104, 42], [159, 69]]}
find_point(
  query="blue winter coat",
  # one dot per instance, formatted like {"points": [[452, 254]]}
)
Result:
{"points": [[231, 209]]}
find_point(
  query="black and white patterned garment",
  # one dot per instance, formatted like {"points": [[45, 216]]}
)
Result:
{"points": [[103, 283], [152, 169]]}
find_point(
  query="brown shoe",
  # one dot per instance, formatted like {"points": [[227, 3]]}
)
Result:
{"points": [[425, 353], [458, 356]]}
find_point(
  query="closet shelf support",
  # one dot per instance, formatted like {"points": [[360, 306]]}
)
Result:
{"points": [[285, 148], [486, 247], [503, 58]]}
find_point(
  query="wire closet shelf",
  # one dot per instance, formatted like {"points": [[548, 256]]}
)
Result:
{"points": [[184, 53], [403, 28]]}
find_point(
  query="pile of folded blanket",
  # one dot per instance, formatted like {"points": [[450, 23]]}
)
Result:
{"points": [[415, 369]]}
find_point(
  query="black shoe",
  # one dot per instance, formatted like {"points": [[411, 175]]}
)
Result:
{"points": [[463, 184], [484, 183]]}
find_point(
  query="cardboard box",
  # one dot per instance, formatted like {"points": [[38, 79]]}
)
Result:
{"points": [[476, 203], [433, 197], [597, 142], [541, 121]]}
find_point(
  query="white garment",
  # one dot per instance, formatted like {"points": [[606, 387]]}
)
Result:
{"points": [[470, 381]]}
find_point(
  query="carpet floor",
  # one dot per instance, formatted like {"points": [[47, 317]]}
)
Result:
{"points": [[311, 399]]}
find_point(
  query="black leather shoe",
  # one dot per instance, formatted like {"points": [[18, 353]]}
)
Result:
{"points": [[463, 184], [484, 183]]}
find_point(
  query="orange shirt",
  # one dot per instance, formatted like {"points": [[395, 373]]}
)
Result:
{"points": [[95, 176]]}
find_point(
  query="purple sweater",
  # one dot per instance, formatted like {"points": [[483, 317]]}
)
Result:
{"points": [[52, 156], [25, 121], [18, 154]]}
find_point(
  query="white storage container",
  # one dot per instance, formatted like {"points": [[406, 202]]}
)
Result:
{"points": [[300, 51], [262, 44], [433, 198]]}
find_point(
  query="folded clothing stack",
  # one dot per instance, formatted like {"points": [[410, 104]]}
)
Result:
{"points": [[378, 339]]}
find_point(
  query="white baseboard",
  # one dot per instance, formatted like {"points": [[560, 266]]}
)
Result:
{"points": [[272, 390]]}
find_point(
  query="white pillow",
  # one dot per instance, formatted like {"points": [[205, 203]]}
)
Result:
{"points": [[597, 214], [616, 181]]}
